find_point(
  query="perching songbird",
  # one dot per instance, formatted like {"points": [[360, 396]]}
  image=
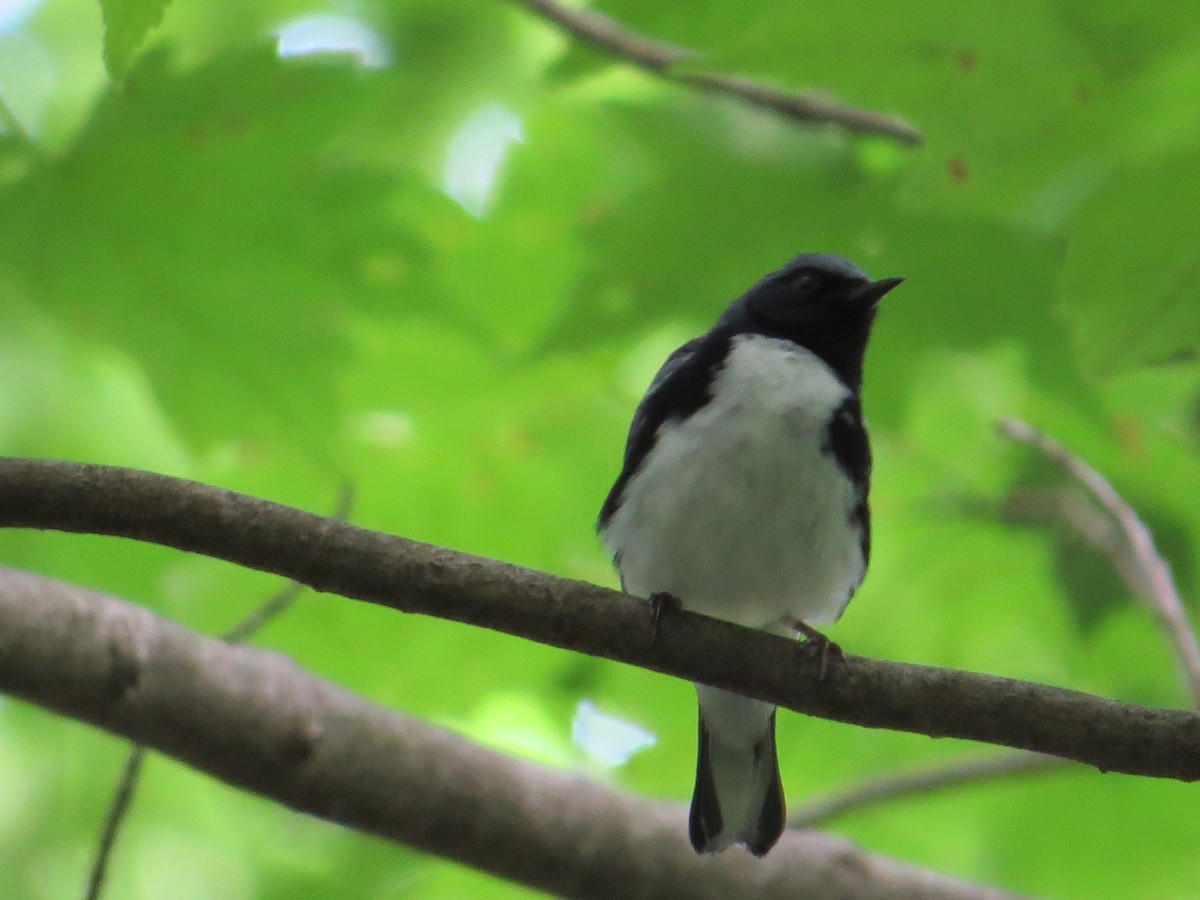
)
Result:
{"points": [[743, 495]]}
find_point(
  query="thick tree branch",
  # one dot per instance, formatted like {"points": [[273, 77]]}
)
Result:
{"points": [[257, 721], [663, 60], [250, 624], [122, 799], [418, 578]]}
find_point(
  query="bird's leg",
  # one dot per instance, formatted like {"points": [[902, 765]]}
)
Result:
{"points": [[662, 602], [824, 646]]}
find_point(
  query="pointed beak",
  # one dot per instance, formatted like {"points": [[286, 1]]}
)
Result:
{"points": [[870, 294]]}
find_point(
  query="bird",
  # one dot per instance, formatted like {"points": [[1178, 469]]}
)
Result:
{"points": [[743, 495]]}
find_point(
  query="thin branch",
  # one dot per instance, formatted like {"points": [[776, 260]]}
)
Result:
{"points": [[257, 721], [117, 809], [1154, 584], [1090, 523], [611, 36], [921, 781], [662, 58], [1125, 549], [250, 625], [419, 578]]}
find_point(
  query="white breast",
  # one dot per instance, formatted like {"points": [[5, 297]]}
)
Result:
{"points": [[740, 511]]}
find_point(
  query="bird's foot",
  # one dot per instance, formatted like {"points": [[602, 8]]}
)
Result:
{"points": [[661, 602], [827, 649]]}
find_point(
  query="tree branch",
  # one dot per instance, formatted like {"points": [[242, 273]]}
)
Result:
{"points": [[118, 808], [131, 772], [257, 721], [1099, 527], [249, 625], [1143, 569], [661, 59], [418, 578], [1132, 553]]}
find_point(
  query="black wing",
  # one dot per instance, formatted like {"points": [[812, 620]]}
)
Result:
{"points": [[679, 389], [846, 438]]}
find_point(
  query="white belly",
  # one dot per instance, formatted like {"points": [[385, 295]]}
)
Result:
{"points": [[739, 511]]}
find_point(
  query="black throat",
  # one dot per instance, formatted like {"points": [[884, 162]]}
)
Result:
{"points": [[840, 344]]}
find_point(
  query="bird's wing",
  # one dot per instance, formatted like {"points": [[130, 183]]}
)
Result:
{"points": [[678, 389]]}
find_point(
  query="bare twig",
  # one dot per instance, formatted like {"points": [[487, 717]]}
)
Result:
{"points": [[418, 578], [113, 818], [249, 626], [662, 58], [921, 781], [610, 35], [1151, 580]]}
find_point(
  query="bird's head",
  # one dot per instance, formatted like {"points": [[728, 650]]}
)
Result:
{"points": [[816, 290], [821, 302]]}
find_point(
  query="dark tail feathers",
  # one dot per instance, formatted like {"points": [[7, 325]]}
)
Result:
{"points": [[739, 795]]}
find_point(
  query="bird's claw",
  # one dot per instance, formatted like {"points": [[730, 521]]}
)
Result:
{"points": [[661, 602], [827, 649]]}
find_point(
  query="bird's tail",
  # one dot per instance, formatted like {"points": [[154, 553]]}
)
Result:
{"points": [[739, 795]]}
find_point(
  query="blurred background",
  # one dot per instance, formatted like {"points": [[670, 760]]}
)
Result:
{"points": [[435, 250]]}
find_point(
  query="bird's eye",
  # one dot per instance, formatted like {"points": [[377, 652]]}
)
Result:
{"points": [[803, 280]]}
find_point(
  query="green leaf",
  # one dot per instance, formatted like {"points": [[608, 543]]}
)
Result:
{"points": [[1131, 280], [126, 23], [202, 224]]}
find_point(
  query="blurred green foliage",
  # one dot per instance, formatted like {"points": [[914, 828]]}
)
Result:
{"points": [[444, 268]]}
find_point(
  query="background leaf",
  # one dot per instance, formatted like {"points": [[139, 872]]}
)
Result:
{"points": [[1137, 305], [126, 23]]}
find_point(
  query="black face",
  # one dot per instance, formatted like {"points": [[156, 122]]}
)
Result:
{"points": [[816, 295], [823, 303]]}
